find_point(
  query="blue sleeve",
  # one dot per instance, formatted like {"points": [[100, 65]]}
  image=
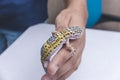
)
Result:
{"points": [[94, 12]]}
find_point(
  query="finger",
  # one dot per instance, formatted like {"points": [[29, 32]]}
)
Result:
{"points": [[68, 68], [71, 62], [69, 73], [61, 22], [58, 60]]}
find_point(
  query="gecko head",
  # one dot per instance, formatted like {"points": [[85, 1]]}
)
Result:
{"points": [[76, 32]]}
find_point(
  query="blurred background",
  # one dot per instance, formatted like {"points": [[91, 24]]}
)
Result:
{"points": [[111, 19]]}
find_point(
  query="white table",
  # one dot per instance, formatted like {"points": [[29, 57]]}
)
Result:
{"points": [[100, 61]]}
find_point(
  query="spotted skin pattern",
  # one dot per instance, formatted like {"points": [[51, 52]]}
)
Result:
{"points": [[56, 42]]}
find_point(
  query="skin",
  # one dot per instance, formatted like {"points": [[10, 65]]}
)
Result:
{"points": [[62, 66]]}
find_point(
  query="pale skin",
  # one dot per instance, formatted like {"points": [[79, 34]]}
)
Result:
{"points": [[61, 66]]}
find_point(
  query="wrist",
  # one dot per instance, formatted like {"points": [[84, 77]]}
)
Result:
{"points": [[80, 7], [76, 4]]}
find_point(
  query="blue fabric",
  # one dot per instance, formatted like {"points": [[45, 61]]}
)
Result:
{"points": [[3, 43], [94, 11], [20, 14], [7, 37]]}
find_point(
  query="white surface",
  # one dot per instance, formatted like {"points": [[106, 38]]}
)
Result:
{"points": [[21, 61]]}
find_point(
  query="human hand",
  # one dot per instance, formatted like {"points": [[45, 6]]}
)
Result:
{"points": [[61, 66]]}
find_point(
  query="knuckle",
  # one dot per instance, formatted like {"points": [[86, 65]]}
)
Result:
{"points": [[58, 17], [52, 68], [57, 21], [49, 68]]}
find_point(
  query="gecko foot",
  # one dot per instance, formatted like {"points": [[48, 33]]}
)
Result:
{"points": [[72, 49]]}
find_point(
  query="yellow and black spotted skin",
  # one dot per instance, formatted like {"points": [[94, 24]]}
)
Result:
{"points": [[53, 43]]}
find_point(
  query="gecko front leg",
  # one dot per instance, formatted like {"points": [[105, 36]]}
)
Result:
{"points": [[72, 49]]}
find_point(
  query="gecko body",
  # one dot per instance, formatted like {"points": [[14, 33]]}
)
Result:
{"points": [[56, 42]]}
